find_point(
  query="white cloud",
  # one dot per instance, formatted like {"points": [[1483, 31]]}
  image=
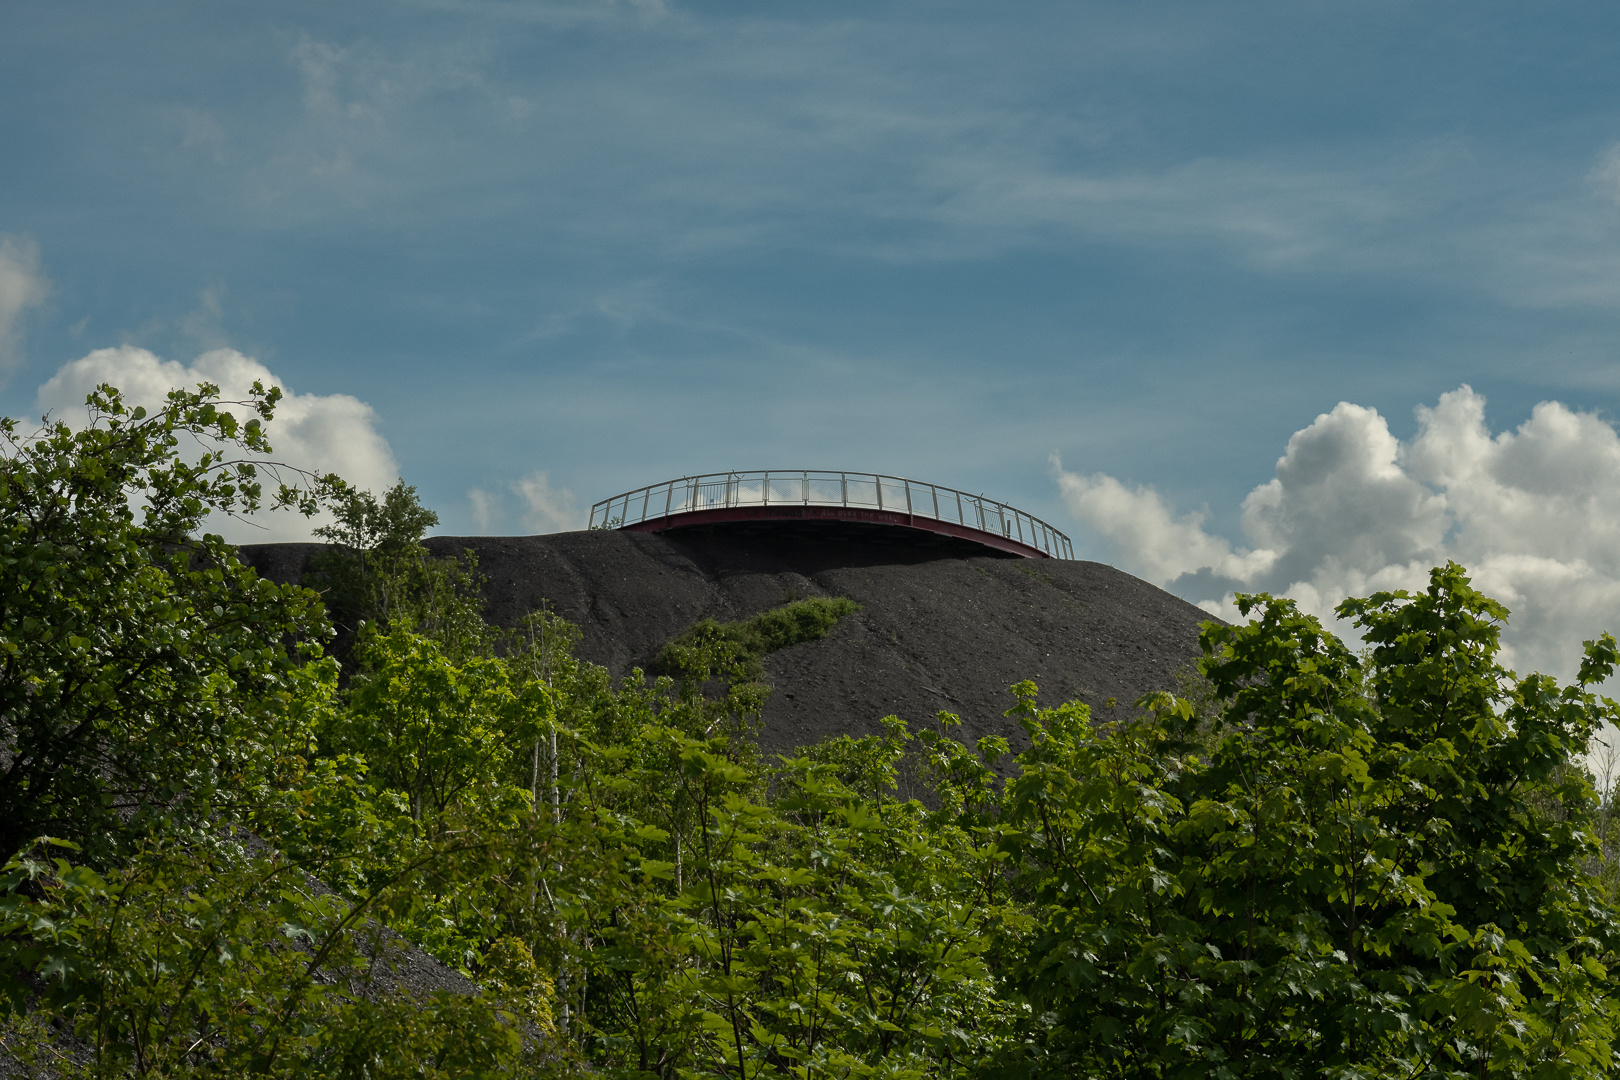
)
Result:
{"points": [[1533, 513], [320, 433], [547, 509], [1606, 173], [487, 510], [23, 285], [704, 133], [1163, 546]]}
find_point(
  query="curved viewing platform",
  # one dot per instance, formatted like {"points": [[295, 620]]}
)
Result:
{"points": [[796, 495]]}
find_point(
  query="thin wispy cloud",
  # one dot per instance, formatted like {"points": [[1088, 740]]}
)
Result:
{"points": [[760, 134], [1138, 235], [23, 286], [542, 506]]}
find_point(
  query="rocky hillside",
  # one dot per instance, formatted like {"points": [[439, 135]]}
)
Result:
{"points": [[941, 626]]}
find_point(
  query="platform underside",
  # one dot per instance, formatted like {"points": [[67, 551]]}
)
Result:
{"points": [[848, 515]]}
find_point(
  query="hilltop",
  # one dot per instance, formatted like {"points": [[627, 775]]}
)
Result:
{"points": [[942, 625]]}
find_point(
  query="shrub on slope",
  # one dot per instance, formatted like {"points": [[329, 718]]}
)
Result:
{"points": [[749, 641]]}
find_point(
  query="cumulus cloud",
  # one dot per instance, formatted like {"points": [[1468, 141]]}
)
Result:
{"points": [[22, 286], [1163, 546], [320, 433], [546, 509], [1533, 513]]}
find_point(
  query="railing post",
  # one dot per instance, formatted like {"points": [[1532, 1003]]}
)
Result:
{"points": [[843, 489], [934, 492], [907, 484], [877, 482], [765, 496]]}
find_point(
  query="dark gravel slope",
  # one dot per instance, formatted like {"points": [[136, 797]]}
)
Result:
{"points": [[942, 627]]}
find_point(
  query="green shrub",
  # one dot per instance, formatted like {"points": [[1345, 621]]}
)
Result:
{"points": [[748, 642]]}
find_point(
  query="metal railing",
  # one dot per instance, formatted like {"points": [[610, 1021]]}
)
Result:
{"points": [[812, 487]]}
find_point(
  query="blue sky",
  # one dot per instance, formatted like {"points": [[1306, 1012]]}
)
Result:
{"points": [[616, 242]]}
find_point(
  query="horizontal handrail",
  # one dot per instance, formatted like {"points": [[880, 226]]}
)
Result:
{"points": [[822, 487]]}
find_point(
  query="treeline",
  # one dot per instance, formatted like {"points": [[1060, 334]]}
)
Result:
{"points": [[225, 803]]}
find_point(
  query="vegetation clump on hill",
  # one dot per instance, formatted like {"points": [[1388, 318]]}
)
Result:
{"points": [[1333, 864], [751, 640]]}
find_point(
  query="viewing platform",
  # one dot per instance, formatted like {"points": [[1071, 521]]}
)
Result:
{"points": [[800, 495]]}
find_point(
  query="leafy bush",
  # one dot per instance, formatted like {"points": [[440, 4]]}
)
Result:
{"points": [[203, 960], [375, 572]]}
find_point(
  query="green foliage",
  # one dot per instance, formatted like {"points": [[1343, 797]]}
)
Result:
{"points": [[201, 960], [418, 748], [152, 691], [1373, 871], [377, 572], [684, 905], [868, 765], [1308, 862], [744, 645], [429, 729], [389, 528], [143, 670], [816, 932]]}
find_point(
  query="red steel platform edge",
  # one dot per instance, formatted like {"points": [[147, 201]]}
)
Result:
{"points": [[830, 495]]}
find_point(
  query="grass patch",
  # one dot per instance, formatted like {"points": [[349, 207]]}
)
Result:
{"points": [[751, 640]]}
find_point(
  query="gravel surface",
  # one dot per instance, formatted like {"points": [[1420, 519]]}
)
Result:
{"points": [[944, 626]]}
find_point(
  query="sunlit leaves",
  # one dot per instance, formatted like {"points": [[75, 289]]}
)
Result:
{"points": [[142, 669], [1362, 869]]}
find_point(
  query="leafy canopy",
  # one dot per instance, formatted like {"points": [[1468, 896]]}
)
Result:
{"points": [[142, 668], [1365, 867]]}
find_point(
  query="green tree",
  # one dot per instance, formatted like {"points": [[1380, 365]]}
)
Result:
{"points": [[1367, 867], [769, 922], [155, 693], [428, 728], [141, 666], [376, 572]]}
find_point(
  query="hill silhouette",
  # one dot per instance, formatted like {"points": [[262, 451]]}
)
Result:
{"points": [[943, 626]]}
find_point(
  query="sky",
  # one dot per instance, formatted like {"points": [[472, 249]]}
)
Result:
{"points": [[1292, 296]]}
